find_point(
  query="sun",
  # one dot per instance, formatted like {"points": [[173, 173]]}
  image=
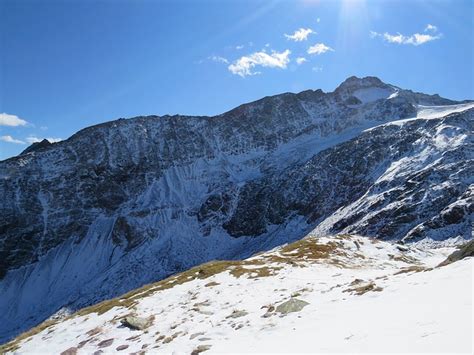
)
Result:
{"points": [[353, 22]]}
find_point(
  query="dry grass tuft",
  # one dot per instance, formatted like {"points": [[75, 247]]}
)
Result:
{"points": [[412, 268], [360, 290]]}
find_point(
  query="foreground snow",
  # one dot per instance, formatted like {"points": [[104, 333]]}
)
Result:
{"points": [[363, 295]]}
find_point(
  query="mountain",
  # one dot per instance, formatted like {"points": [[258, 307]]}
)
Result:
{"points": [[132, 201], [318, 295], [36, 146]]}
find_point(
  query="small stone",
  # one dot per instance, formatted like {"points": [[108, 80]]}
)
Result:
{"points": [[94, 331], [207, 313], [135, 337], [70, 351], [195, 335], [200, 349], [105, 343], [84, 342], [237, 314], [211, 284], [121, 347], [356, 282]]}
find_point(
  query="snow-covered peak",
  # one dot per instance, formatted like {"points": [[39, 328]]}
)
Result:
{"points": [[354, 83], [355, 91]]}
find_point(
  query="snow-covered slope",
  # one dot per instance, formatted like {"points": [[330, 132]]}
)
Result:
{"points": [[130, 202], [342, 294]]}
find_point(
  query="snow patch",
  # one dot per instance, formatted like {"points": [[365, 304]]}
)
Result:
{"points": [[373, 94]]}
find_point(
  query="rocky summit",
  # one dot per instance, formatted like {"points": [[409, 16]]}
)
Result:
{"points": [[132, 201]]}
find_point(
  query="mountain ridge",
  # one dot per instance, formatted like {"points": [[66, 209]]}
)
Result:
{"points": [[147, 197], [351, 82]]}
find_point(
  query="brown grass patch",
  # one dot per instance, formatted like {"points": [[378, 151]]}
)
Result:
{"points": [[412, 268], [360, 290], [404, 258], [308, 250]]}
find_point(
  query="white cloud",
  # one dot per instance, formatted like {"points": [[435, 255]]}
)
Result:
{"points": [[317, 69], [319, 48], [239, 47], [415, 39], [430, 27], [300, 35], [318, 20], [34, 139], [301, 60], [10, 139], [373, 34], [11, 120], [244, 65], [219, 59]]}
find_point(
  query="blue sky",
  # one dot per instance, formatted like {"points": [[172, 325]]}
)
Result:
{"points": [[66, 65]]}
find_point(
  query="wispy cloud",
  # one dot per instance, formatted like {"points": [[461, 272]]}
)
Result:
{"points": [[219, 59], [317, 69], [244, 66], [11, 120], [301, 60], [34, 139], [10, 139], [300, 34], [431, 28], [415, 39], [318, 20], [239, 47], [319, 48]]}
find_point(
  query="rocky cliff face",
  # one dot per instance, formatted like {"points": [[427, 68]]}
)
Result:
{"points": [[131, 201]]}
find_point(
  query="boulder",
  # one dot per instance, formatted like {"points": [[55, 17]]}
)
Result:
{"points": [[136, 323], [292, 305]]}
